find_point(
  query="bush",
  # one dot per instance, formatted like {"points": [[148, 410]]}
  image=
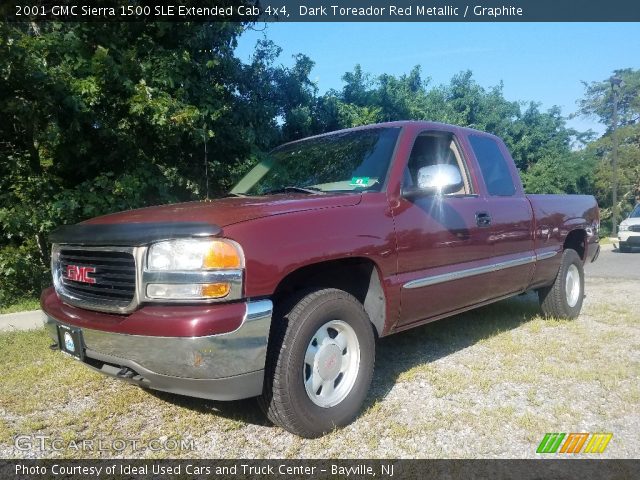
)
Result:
{"points": [[34, 212], [22, 273]]}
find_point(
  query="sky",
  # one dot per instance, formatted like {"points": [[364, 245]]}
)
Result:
{"points": [[543, 62]]}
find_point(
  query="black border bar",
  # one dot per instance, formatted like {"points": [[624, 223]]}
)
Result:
{"points": [[250, 11], [557, 469]]}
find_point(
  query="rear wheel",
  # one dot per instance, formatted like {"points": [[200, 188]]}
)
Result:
{"points": [[320, 363], [563, 298]]}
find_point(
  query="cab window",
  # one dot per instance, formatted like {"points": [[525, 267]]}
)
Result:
{"points": [[494, 167]]}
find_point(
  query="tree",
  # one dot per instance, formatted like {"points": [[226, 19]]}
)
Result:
{"points": [[598, 98], [571, 173], [531, 134], [104, 117], [297, 96], [598, 103], [357, 87], [628, 170]]}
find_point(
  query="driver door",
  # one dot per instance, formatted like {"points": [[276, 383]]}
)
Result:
{"points": [[441, 237]]}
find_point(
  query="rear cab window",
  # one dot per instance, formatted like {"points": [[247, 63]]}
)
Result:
{"points": [[493, 165]]}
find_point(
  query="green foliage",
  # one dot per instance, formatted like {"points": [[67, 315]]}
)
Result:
{"points": [[598, 103], [571, 173], [598, 98], [350, 115], [628, 170], [105, 117], [22, 273], [99, 118], [530, 133]]}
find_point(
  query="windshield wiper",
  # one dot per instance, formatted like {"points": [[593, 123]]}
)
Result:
{"points": [[233, 194], [309, 190]]}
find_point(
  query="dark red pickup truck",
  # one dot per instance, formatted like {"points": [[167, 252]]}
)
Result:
{"points": [[281, 289]]}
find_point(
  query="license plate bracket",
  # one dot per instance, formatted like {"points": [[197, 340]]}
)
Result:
{"points": [[70, 341]]}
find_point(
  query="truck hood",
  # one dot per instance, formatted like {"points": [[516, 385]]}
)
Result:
{"points": [[227, 211], [631, 221]]}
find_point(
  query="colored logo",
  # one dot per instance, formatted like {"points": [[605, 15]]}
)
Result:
{"points": [[574, 442], [359, 182], [80, 274], [69, 343]]}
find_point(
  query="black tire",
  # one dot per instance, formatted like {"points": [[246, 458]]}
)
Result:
{"points": [[624, 248], [285, 399], [556, 299]]}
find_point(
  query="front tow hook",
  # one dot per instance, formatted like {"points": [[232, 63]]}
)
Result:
{"points": [[126, 372]]}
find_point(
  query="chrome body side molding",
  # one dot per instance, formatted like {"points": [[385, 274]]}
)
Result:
{"points": [[470, 272]]}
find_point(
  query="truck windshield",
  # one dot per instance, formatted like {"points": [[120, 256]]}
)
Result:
{"points": [[341, 162], [636, 212]]}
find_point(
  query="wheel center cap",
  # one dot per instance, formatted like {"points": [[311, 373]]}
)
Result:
{"points": [[329, 361]]}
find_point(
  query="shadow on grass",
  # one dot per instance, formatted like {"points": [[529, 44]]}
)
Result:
{"points": [[399, 353], [245, 411], [396, 354]]}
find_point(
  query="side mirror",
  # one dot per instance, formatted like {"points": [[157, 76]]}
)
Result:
{"points": [[436, 179]]}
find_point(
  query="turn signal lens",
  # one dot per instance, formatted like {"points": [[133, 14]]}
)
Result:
{"points": [[222, 255], [215, 290], [190, 291]]}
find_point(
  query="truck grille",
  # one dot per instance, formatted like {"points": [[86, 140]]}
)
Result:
{"points": [[100, 279], [635, 228]]}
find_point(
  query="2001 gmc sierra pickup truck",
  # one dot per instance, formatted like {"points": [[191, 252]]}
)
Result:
{"points": [[281, 289]]}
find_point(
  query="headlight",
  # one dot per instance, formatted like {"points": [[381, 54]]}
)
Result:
{"points": [[194, 269], [193, 255], [623, 228]]}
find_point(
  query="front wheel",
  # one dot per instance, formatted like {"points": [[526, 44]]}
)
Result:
{"points": [[624, 248], [320, 363], [563, 298]]}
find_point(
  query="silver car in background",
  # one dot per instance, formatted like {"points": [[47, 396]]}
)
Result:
{"points": [[629, 231]]}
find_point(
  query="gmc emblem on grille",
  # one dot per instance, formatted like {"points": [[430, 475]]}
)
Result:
{"points": [[80, 274]]}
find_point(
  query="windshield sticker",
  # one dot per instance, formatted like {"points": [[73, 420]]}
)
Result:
{"points": [[359, 182]]}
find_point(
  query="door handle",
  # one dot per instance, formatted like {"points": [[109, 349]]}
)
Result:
{"points": [[483, 219]]}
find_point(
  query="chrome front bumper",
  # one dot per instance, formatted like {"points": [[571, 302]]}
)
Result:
{"points": [[228, 366], [631, 238]]}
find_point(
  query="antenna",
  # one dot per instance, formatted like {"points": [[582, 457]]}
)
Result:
{"points": [[206, 160]]}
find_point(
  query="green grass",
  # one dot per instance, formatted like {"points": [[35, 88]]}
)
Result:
{"points": [[522, 354], [45, 392], [21, 305]]}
